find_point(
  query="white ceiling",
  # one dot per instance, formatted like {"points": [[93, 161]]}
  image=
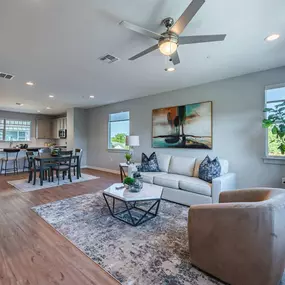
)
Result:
{"points": [[56, 43]]}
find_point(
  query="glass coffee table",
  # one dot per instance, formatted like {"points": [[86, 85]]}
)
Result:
{"points": [[133, 208]]}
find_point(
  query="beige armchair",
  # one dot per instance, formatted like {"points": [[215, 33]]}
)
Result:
{"points": [[241, 241]]}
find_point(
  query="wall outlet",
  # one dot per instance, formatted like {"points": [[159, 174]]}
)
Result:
{"points": [[283, 180]]}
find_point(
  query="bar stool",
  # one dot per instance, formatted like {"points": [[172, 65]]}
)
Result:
{"points": [[11, 155], [30, 149]]}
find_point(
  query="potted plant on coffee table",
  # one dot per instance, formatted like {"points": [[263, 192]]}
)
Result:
{"points": [[128, 182]]}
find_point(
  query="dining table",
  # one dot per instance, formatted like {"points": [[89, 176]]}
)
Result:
{"points": [[47, 158]]}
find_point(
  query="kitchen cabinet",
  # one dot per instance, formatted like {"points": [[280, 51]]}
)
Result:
{"points": [[63, 123], [58, 124], [43, 129], [55, 129]]}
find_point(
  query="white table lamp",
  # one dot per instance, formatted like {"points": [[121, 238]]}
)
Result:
{"points": [[132, 141]]}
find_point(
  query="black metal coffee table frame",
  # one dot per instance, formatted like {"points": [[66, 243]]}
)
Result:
{"points": [[131, 205]]}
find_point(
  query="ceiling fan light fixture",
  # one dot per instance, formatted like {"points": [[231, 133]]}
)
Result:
{"points": [[168, 47], [272, 37], [169, 69]]}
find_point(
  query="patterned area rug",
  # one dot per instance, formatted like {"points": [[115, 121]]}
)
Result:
{"points": [[154, 253], [23, 185]]}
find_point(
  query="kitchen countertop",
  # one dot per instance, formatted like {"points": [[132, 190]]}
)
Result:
{"points": [[39, 147]]}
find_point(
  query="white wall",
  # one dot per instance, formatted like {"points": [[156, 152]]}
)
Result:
{"points": [[237, 133]]}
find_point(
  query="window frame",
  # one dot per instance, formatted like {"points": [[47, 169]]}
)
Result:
{"points": [[3, 130], [109, 131], [3, 139], [272, 159]]}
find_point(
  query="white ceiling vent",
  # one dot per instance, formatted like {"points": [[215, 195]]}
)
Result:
{"points": [[108, 58], [6, 76]]}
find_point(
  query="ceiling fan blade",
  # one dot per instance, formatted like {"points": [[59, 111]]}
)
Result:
{"points": [[201, 39], [175, 58], [153, 48], [140, 30], [187, 16]]}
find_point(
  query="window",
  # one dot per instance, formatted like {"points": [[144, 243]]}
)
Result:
{"points": [[119, 128], [1, 129], [15, 130], [274, 96]]}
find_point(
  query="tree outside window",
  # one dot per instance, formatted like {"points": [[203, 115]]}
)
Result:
{"points": [[119, 129]]}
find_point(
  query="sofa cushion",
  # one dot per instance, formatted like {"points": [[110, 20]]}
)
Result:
{"points": [[224, 167], [149, 164], [167, 180], [195, 185], [163, 161], [182, 165], [148, 177], [209, 169]]}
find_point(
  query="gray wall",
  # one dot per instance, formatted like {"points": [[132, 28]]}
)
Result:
{"points": [[80, 132], [237, 133], [77, 131]]}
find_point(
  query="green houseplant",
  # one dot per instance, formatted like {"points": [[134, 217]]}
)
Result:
{"points": [[129, 181], [128, 157], [275, 122]]}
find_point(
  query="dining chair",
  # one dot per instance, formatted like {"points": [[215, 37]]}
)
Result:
{"points": [[34, 168], [31, 149], [11, 155], [79, 152], [66, 157]]}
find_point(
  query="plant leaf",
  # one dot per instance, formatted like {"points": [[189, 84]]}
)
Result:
{"points": [[266, 123], [268, 110], [274, 130]]}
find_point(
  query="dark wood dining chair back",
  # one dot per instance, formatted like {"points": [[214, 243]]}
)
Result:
{"points": [[31, 159], [79, 151], [64, 164], [66, 156], [35, 151]]}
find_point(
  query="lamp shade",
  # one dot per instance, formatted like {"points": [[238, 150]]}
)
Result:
{"points": [[133, 140]]}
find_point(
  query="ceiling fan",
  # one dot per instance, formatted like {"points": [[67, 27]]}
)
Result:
{"points": [[169, 41]]}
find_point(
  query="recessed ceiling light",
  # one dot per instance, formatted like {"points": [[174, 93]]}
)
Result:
{"points": [[91, 96], [272, 37], [51, 96], [38, 111], [30, 83], [170, 69], [48, 108], [20, 104]]}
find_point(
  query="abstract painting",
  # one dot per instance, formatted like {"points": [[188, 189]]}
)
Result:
{"points": [[187, 126]]}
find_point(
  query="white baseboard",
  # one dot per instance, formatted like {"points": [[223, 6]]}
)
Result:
{"points": [[103, 169]]}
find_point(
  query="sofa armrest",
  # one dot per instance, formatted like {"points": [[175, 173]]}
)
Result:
{"points": [[223, 183]]}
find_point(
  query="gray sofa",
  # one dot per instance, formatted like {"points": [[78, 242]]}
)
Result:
{"points": [[179, 178]]}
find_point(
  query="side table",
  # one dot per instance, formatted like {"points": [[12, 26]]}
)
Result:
{"points": [[123, 166]]}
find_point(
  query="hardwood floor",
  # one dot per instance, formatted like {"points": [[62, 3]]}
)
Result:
{"points": [[31, 251]]}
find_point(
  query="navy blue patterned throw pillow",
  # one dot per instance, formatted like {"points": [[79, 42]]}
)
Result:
{"points": [[149, 164], [209, 169]]}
